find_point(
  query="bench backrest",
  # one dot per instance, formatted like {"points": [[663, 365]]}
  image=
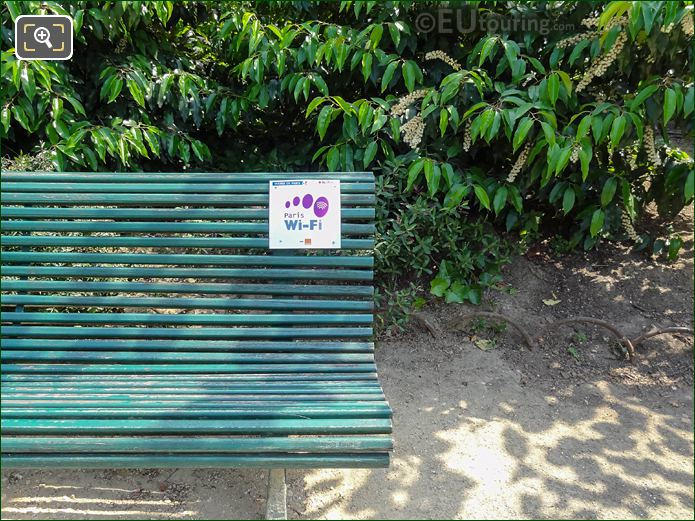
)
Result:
{"points": [[172, 273]]}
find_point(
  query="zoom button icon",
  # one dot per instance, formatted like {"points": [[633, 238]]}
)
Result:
{"points": [[43, 37]]}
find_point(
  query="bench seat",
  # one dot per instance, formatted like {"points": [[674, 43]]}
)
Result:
{"points": [[146, 324]]}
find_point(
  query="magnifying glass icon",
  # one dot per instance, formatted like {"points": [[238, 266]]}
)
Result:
{"points": [[42, 35]]}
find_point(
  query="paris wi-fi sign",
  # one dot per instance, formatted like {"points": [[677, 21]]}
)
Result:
{"points": [[304, 214]]}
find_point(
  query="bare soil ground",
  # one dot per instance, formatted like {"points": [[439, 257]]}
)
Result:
{"points": [[483, 427]]}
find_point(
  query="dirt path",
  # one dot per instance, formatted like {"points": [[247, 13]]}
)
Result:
{"points": [[566, 431]]}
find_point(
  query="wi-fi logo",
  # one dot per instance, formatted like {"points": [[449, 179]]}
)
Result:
{"points": [[321, 207]]}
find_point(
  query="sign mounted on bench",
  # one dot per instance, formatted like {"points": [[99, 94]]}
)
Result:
{"points": [[304, 214]]}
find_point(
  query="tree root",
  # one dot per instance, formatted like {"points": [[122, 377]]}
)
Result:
{"points": [[624, 340], [655, 332], [499, 316], [425, 321]]}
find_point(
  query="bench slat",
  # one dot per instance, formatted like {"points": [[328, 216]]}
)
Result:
{"points": [[263, 346], [197, 444], [201, 379], [164, 318], [260, 426], [199, 413], [186, 333], [208, 402], [188, 303], [166, 177], [192, 187], [194, 460], [232, 273], [155, 357], [161, 199], [161, 214], [183, 258], [160, 227], [186, 368], [169, 242], [199, 288]]}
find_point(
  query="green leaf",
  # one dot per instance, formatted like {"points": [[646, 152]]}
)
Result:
{"points": [[617, 130], [443, 121], [115, 90], [347, 155], [164, 88], [689, 186], [596, 128], [458, 292], [577, 51], [487, 47], [596, 222], [375, 36], [313, 105], [320, 84], [366, 66], [28, 82], [583, 128], [388, 74], [395, 34], [21, 117], [438, 286], [344, 105], [568, 199], [563, 159], [5, 116], [608, 191], [369, 153], [642, 96], [136, 92], [648, 13], [585, 154], [553, 88], [152, 140], [395, 129], [669, 104], [455, 195], [324, 120], [298, 87], [549, 132], [198, 149], [494, 127], [515, 198], [521, 132], [76, 105], [409, 74], [91, 158], [537, 65], [500, 199], [688, 102], [482, 196], [333, 159], [433, 179], [414, 172], [674, 246]]}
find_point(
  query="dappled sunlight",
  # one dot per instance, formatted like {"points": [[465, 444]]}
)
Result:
{"points": [[494, 449], [133, 494], [81, 503]]}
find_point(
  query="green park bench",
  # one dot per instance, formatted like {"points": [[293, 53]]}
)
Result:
{"points": [[267, 359]]}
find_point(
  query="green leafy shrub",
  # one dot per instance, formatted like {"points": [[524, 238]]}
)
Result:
{"points": [[479, 139]]}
